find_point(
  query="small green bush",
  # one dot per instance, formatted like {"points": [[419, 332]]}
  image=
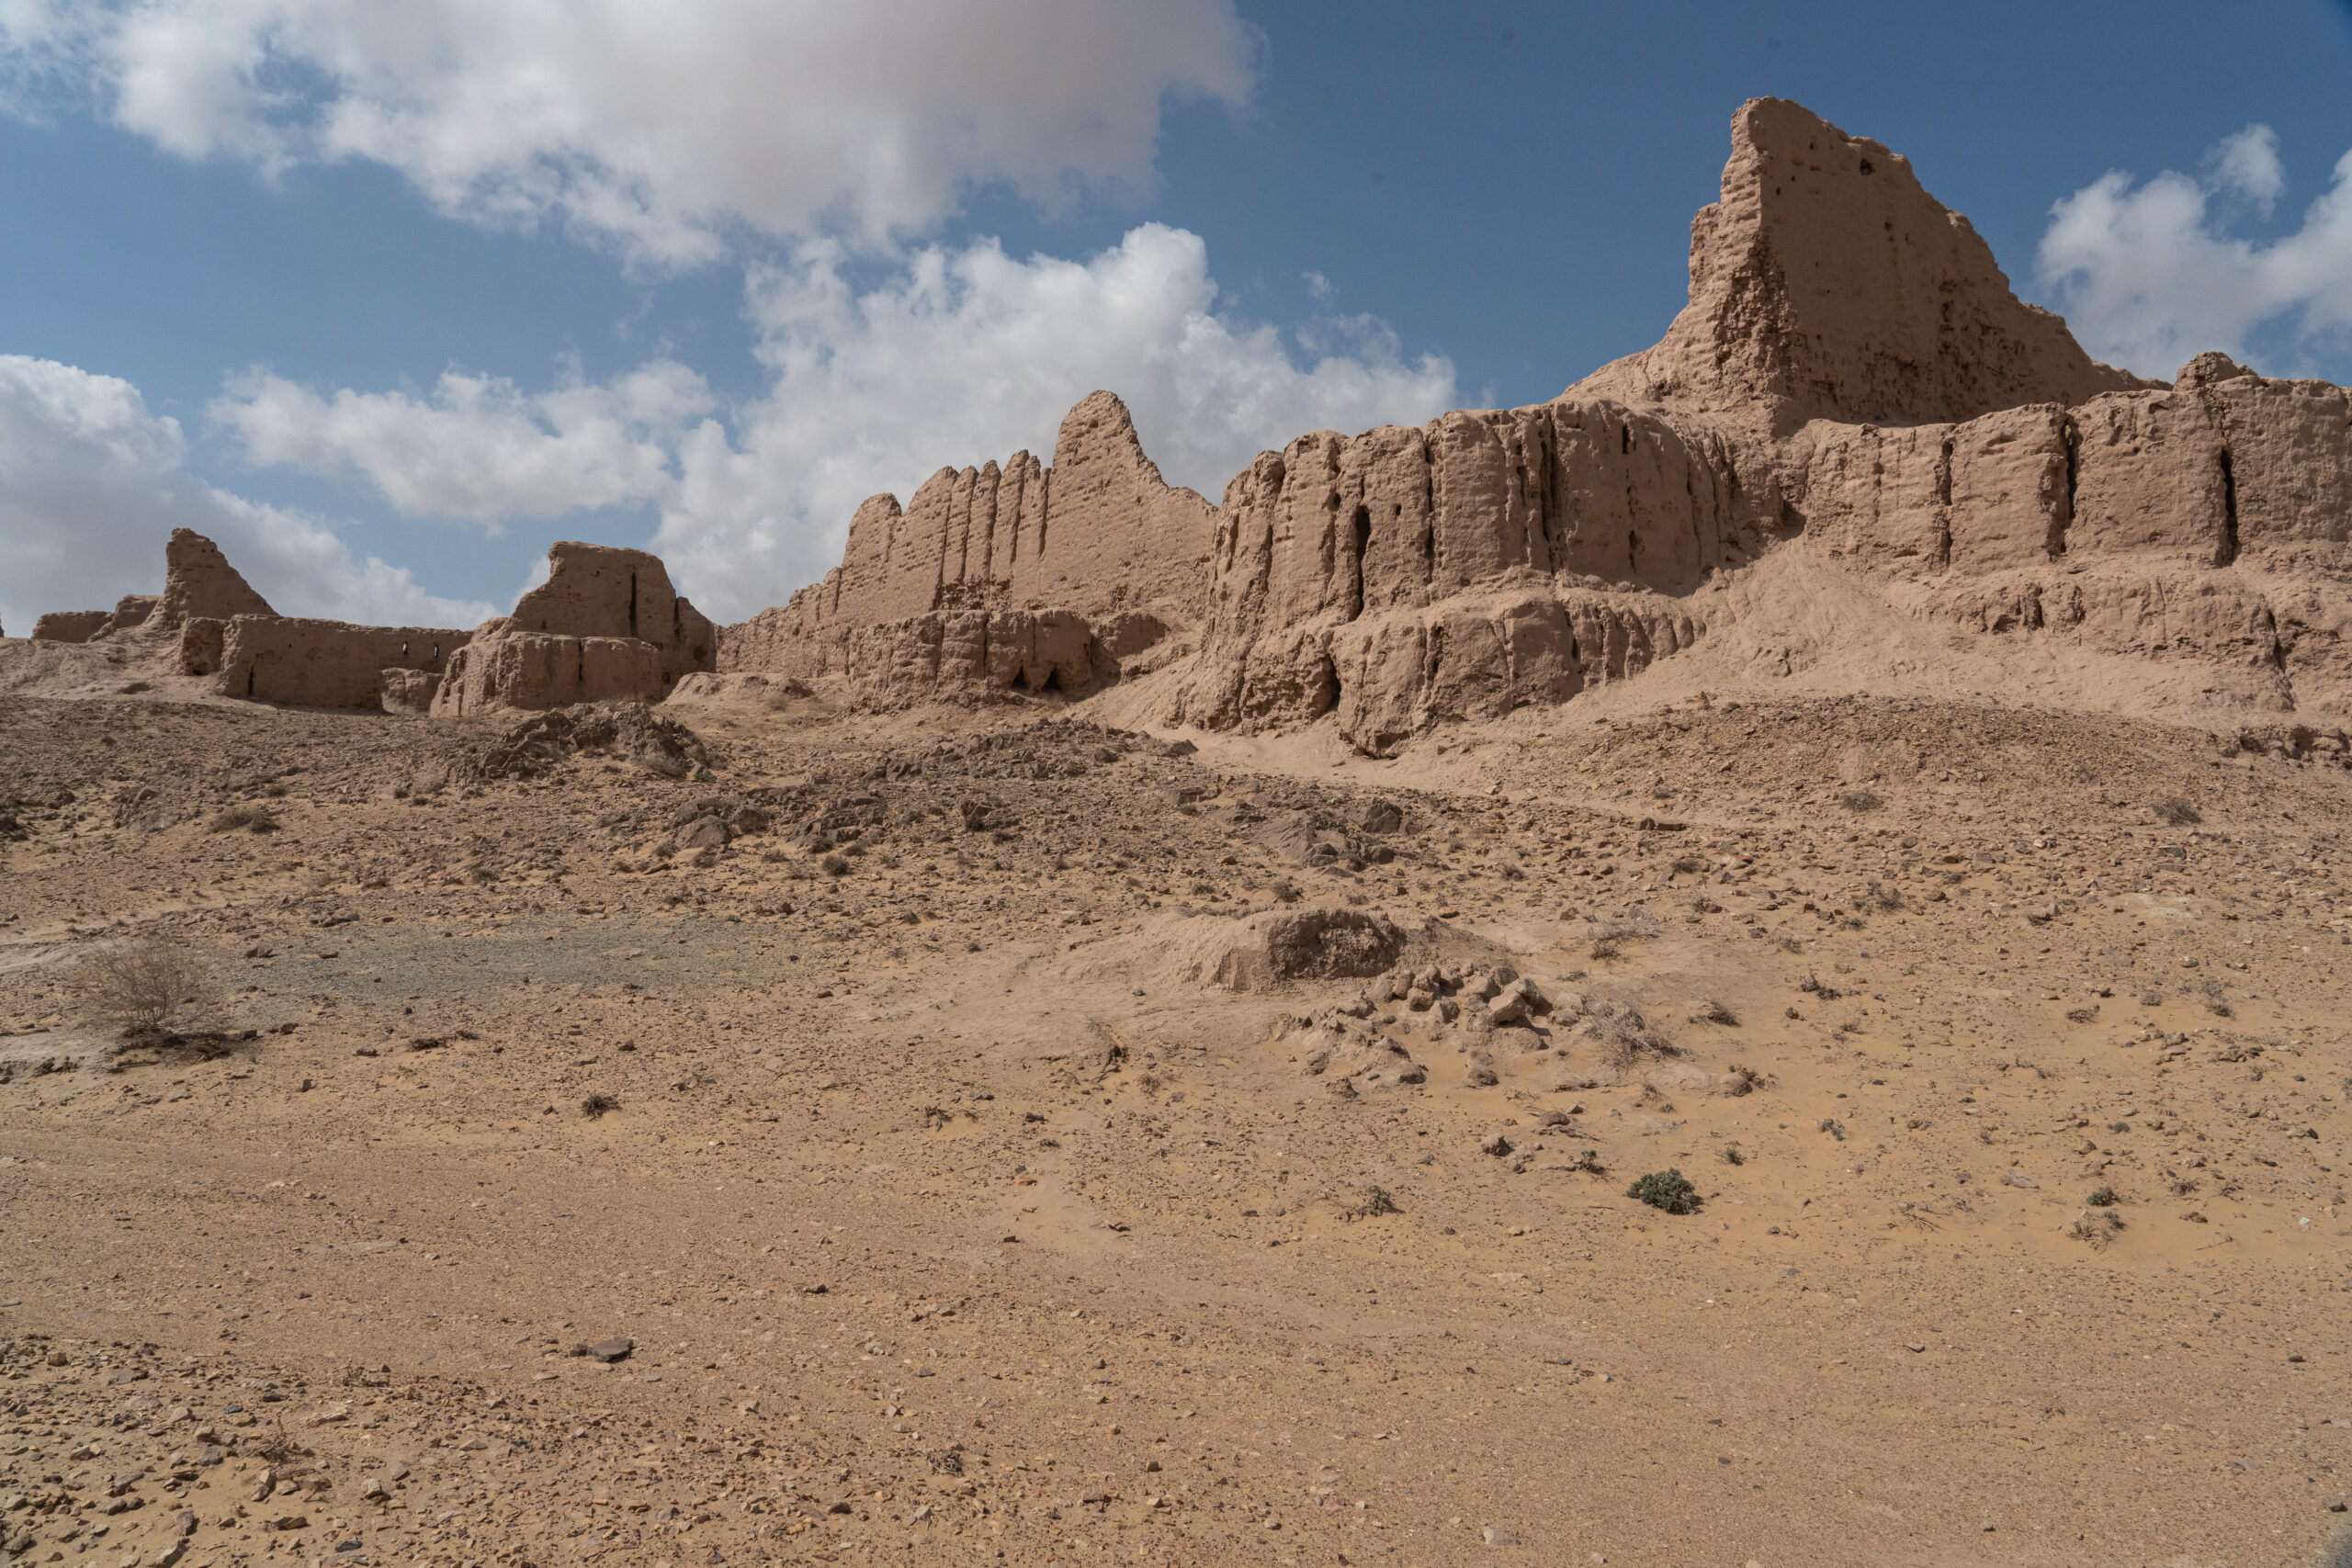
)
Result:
{"points": [[1667, 1190], [2103, 1199]]}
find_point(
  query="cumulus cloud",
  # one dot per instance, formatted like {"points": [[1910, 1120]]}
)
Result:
{"points": [[92, 483], [2149, 275], [479, 448], [956, 356], [660, 129]]}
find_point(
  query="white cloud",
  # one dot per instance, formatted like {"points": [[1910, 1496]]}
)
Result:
{"points": [[967, 354], [2148, 276], [659, 127], [479, 448], [91, 484], [2247, 165], [955, 358]]}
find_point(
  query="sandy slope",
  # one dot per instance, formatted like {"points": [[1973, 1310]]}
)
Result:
{"points": [[1098, 1277]]}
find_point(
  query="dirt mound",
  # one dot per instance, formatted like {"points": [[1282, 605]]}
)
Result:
{"points": [[1269, 950], [623, 730]]}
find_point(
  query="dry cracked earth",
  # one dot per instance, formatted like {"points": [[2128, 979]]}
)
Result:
{"points": [[845, 1153]]}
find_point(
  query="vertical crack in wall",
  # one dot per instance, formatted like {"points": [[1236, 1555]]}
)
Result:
{"points": [[1360, 533], [1943, 503], [2062, 517], [2227, 551]]}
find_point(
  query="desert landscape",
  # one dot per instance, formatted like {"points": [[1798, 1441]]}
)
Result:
{"points": [[1744, 966]]}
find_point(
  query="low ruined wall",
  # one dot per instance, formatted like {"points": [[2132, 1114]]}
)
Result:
{"points": [[70, 625], [506, 669], [326, 664], [411, 690]]}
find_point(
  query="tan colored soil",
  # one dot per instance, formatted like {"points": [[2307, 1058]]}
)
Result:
{"points": [[957, 1218]]}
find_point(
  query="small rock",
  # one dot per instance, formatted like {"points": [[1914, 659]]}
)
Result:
{"points": [[613, 1349], [2020, 1178], [1495, 1536], [1494, 1144]]}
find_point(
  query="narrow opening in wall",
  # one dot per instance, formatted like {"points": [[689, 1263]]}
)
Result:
{"points": [[1359, 539], [632, 604], [2227, 551], [2064, 519]]}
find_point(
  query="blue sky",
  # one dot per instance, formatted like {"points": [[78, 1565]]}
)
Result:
{"points": [[389, 298]]}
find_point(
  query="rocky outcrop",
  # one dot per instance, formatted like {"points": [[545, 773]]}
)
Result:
{"points": [[198, 580], [1827, 283], [1002, 578], [606, 624], [1852, 380], [1479, 564]]}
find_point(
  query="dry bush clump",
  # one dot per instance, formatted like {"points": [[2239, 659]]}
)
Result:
{"points": [[2178, 813], [1623, 1036], [144, 985], [2096, 1227], [251, 818], [1859, 800], [1609, 942]]}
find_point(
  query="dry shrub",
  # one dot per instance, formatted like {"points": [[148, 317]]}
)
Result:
{"points": [[144, 984], [1859, 800], [2096, 1227], [2178, 813], [1623, 1036], [252, 818], [1609, 943]]}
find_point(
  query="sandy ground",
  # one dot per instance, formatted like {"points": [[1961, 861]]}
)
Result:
{"points": [[954, 1216]]}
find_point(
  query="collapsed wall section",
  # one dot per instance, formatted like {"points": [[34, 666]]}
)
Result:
{"points": [[605, 626], [314, 664]]}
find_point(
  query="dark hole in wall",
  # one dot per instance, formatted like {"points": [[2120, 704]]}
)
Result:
{"points": [[1359, 538], [632, 604], [2227, 551], [2065, 517]]}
